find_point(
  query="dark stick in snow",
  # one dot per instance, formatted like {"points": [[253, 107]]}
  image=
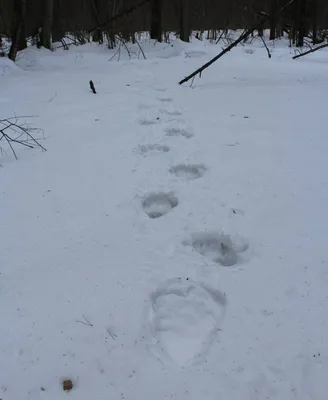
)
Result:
{"points": [[85, 322], [92, 87], [311, 51]]}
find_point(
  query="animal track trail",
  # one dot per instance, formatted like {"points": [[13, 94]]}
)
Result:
{"points": [[220, 248], [183, 319]]}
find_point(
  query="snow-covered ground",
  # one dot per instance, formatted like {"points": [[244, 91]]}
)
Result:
{"points": [[172, 241]]}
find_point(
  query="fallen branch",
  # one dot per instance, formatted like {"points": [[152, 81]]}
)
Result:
{"points": [[85, 322], [112, 335], [310, 51], [242, 37], [13, 132]]}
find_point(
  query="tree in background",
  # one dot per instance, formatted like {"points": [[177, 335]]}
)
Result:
{"points": [[301, 22], [18, 34], [273, 19], [156, 29], [184, 20], [48, 14], [85, 20]]}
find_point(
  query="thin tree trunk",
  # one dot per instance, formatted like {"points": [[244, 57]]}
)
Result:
{"points": [[156, 20], [315, 22], [57, 31], [184, 20], [279, 30], [273, 20], [18, 39], [302, 25], [97, 35], [294, 23], [48, 15]]}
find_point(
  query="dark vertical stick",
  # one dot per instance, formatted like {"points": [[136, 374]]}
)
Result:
{"points": [[92, 87]]}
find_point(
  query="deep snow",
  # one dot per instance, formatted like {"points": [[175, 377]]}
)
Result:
{"points": [[171, 243]]}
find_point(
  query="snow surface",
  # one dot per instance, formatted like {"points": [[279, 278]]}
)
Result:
{"points": [[172, 241]]}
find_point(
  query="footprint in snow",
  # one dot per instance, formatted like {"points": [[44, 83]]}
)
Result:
{"points": [[176, 131], [153, 148], [148, 121], [188, 171], [195, 53], [165, 99], [157, 204], [145, 106], [171, 111], [220, 248], [183, 319]]}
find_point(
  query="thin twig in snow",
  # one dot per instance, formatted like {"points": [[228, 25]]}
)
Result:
{"points": [[112, 335], [11, 131], [311, 51], [86, 322]]}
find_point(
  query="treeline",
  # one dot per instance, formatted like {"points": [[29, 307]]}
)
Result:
{"points": [[51, 20]]}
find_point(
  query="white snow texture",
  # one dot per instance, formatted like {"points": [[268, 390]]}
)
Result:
{"points": [[171, 241]]}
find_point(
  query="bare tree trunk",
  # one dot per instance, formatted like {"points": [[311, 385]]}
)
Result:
{"points": [[184, 20], [48, 14], [273, 20], [294, 23], [97, 34], [301, 22], [18, 39], [156, 20], [279, 30], [57, 30], [315, 21]]}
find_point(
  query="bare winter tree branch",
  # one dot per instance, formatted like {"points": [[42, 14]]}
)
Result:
{"points": [[265, 45], [310, 51], [124, 13], [242, 37], [12, 131]]}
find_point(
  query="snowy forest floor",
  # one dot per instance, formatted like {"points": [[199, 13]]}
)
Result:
{"points": [[171, 243]]}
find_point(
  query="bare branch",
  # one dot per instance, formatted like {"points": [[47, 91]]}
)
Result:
{"points": [[242, 37], [14, 132], [265, 45], [85, 322], [124, 13], [310, 51]]}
